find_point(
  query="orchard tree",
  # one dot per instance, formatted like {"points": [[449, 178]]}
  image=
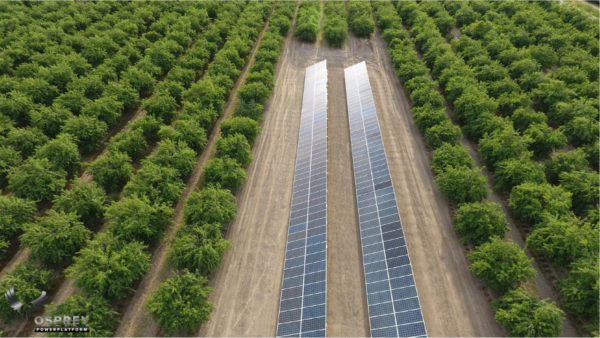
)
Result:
{"points": [[544, 140], [25, 140], [500, 265], [88, 132], [501, 145], [254, 92], [107, 109], [563, 240], [86, 199], [134, 218], [580, 288], [529, 201], [582, 130], [29, 279], [523, 315], [14, 213], [139, 80], [50, 119], [441, 133], [515, 171], [176, 155], [112, 170], [56, 238], [186, 130], [108, 266], [427, 116], [161, 106], [462, 185], [159, 184], [102, 319], [241, 125], [131, 142], [73, 100], [9, 158], [522, 118], [573, 160], [210, 205], [62, 153], [235, 147], [450, 155], [544, 55], [36, 180], [199, 248], [180, 304], [478, 222], [225, 172], [550, 92], [583, 186]]}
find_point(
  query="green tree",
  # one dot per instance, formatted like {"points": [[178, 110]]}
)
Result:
{"points": [[176, 155], [544, 55], [50, 119], [515, 171], [335, 31], [14, 213], [562, 240], [255, 91], [73, 100], [102, 319], [134, 218], [25, 140], [501, 145], [108, 266], [180, 304], [550, 92], [462, 185], [580, 288], [210, 205], [522, 118], [159, 184], [441, 133], [139, 80], [36, 180], [88, 132], [583, 186], [525, 316], [199, 248], [529, 201], [107, 109], [29, 279], [186, 130], [162, 106], [235, 147], [85, 199], [225, 172], [500, 265], [241, 125], [565, 162], [131, 142], [62, 153], [582, 130], [56, 238], [427, 116], [112, 170], [478, 222], [450, 155], [544, 140], [9, 158]]}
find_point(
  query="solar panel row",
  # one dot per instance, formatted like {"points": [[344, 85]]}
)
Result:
{"points": [[394, 309], [302, 304]]}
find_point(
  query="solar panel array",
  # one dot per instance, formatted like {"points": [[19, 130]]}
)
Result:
{"points": [[394, 308], [302, 304]]}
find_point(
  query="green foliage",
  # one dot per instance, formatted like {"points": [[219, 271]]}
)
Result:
{"points": [[159, 184], [450, 155], [62, 153], [580, 288], [522, 118], [307, 21], [529, 201], [139, 80], [441, 133], [102, 318], [427, 116], [199, 248], [181, 303], [525, 316], [50, 119], [235, 147], [515, 171], [136, 219], [544, 140], [582, 130], [176, 155], [106, 109], [74, 100], [562, 240], [131, 142], [500, 265], [335, 31], [210, 205], [565, 162], [14, 213], [108, 266], [224, 172], [35, 179], [162, 106], [25, 140], [241, 125], [88, 132], [29, 279], [360, 18], [186, 130], [462, 184], [56, 238], [9, 158], [85, 199], [544, 55], [478, 222], [583, 186], [254, 92], [501, 145], [112, 170]]}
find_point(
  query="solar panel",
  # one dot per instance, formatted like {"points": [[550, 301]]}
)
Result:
{"points": [[302, 304], [394, 309]]}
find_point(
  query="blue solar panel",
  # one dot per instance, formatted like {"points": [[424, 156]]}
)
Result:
{"points": [[394, 309], [302, 306]]}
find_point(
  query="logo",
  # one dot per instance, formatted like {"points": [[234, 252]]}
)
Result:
{"points": [[14, 302]]}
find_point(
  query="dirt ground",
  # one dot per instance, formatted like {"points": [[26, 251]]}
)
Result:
{"points": [[247, 287]]}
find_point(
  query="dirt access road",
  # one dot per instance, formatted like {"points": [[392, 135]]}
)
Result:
{"points": [[247, 286]]}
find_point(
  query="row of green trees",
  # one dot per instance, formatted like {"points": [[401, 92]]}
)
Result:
{"points": [[335, 27], [53, 159], [562, 99], [307, 23], [142, 213], [502, 266], [179, 304], [360, 18]]}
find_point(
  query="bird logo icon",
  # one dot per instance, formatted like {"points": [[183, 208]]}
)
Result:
{"points": [[15, 303]]}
